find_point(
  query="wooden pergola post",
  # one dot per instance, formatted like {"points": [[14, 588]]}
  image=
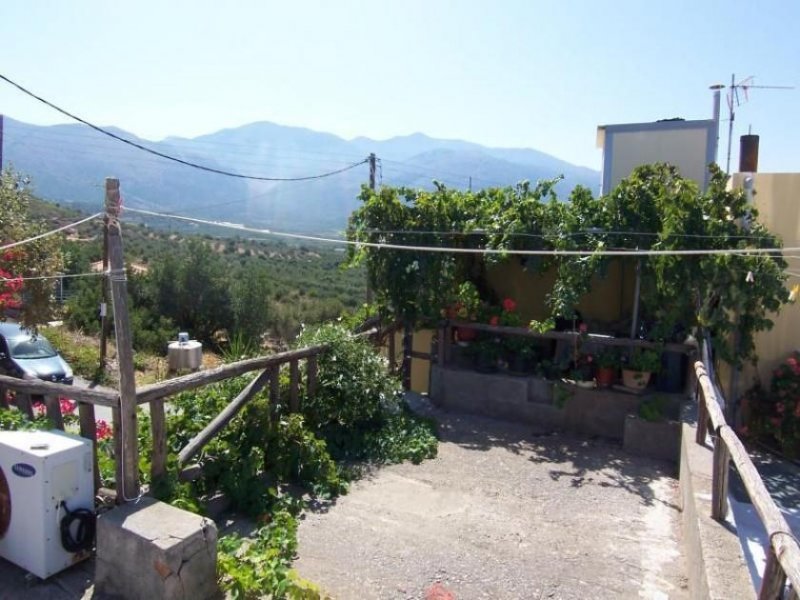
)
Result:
{"points": [[125, 427]]}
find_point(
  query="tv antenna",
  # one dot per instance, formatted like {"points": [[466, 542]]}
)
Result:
{"points": [[736, 92]]}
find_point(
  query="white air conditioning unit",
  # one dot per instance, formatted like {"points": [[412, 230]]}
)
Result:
{"points": [[46, 500]]}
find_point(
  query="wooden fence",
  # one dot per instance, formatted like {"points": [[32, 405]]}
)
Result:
{"points": [[783, 554]]}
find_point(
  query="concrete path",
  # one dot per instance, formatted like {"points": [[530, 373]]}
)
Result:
{"points": [[503, 513]]}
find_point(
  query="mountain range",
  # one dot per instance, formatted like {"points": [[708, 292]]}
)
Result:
{"points": [[67, 164]]}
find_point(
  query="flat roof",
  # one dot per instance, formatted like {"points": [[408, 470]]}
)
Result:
{"points": [[666, 125]]}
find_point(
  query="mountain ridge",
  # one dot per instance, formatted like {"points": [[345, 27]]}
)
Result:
{"points": [[69, 161]]}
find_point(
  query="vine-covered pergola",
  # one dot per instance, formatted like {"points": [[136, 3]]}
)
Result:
{"points": [[713, 272]]}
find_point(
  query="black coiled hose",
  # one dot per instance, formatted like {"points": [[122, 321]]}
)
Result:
{"points": [[84, 534]]}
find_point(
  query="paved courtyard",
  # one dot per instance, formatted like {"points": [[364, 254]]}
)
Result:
{"points": [[503, 512]]}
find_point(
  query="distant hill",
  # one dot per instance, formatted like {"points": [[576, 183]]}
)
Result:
{"points": [[69, 162]]}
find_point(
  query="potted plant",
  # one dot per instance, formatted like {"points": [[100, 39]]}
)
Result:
{"points": [[465, 308], [607, 365], [487, 354], [520, 353], [582, 373], [640, 367]]}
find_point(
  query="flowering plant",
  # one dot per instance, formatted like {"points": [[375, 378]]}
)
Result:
{"points": [[466, 303], [776, 414]]}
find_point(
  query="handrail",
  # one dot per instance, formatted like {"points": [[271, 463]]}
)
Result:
{"points": [[46, 388], [572, 335], [783, 560], [191, 381]]}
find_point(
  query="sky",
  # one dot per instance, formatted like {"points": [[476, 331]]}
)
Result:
{"points": [[507, 73]]}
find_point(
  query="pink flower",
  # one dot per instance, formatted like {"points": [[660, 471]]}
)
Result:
{"points": [[494, 320], [103, 431], [780, 407], [39, 409], [67, 406], [583, 328], [509, 305]]}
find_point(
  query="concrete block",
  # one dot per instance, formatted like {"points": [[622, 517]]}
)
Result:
{"points": [[660, 440], [148, 549]]}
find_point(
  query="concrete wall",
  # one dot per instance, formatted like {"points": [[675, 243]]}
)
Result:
{"points": [[610, 298]]}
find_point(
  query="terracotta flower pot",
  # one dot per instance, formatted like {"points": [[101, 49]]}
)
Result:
{"points": [[605, 376], [635, 380], [465, 335]]}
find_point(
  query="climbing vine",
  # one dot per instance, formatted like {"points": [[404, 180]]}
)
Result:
{"points": [[654, 208]]}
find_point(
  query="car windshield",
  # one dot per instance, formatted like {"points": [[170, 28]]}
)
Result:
{"points": [[33, 347]]}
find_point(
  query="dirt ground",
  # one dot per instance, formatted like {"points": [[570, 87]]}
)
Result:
{"points": [[503, 512]]}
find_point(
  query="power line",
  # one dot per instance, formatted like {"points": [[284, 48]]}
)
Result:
{"points": [[60, 276], [175, 158], [48, 233], [486, 251]]}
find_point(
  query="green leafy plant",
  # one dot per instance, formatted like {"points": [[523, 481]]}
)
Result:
{"points": [[260, 566], [644, 361], [608, 359], [652, 409]]}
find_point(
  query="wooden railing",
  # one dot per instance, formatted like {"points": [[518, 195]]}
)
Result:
{"points": [[25, 390], [783, 555], [270, 376]]}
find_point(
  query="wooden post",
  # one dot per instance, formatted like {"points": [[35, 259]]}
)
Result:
{"points": [[89, 431], [274, 390], [54, 411], [390, 349], [441, 346], [311, 375], [719, 479], [3, 397], [702, 418], [23, 402], [773, 579], [158, 428], [128, 461], [408, 341], [294, 386]]}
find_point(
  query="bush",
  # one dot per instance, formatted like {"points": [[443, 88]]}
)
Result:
{"points": [[775, 414]]}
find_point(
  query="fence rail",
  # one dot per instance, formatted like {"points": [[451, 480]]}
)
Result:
{"points": [[783, 558]]}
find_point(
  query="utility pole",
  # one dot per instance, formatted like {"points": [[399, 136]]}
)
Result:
{"points": [[125, 428], [372, 168], [1, 143], [372, 163]]}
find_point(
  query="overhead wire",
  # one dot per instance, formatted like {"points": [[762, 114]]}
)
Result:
{"points": [[60, 276], [187, 163], [49, 233], [484, 251]]}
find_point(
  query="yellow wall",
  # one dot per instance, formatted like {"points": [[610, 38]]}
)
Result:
{"points": [[777, 198], [610, 298]]}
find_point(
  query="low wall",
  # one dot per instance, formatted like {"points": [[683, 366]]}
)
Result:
{"points": [[715, 563], [535, 401]]}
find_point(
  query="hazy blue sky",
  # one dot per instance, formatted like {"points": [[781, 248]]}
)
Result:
{"points": [[504, 73]]}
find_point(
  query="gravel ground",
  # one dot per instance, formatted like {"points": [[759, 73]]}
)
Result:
{"points": [[503, 512]]}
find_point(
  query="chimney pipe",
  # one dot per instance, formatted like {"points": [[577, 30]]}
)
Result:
{"points": [[748, 153]]}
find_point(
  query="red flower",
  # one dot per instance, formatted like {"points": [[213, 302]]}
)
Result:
{"points": [[509, 305], [494, 320], [583, 328], [103, 431], [39, 409], [67, 406], [780, 407]]}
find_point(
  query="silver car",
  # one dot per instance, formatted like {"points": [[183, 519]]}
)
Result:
{"points": [[28, 356]]}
